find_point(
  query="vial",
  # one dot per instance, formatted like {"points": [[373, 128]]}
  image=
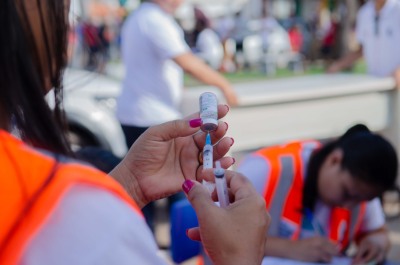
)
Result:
{"points": [[208, 111]]}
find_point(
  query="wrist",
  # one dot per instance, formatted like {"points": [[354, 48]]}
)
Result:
{"points": [[379, 239], [235, 256], [128, 180], [234, 260]]}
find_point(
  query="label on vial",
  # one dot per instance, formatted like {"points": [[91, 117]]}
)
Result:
{"points": [[209, 111]]}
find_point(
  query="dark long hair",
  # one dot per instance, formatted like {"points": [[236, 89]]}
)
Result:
{"points": [[201, 23], [25, 72], [367, 156]]}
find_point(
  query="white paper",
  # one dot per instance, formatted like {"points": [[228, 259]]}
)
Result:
{"points": [[280, 261]]}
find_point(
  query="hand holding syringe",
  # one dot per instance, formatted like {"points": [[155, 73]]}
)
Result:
{"points": [[209, 116]]}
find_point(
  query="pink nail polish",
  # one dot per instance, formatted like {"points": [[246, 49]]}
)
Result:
{"points": [[227, 125], [195, 123], [187, 185], [227, 107], [233, 141]]}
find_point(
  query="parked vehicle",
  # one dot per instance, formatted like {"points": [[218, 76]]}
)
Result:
{"points": [[89, 102]]}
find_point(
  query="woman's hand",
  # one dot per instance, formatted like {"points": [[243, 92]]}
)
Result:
{"points": [[232, 235], [372, 247], [231, 97], [313, 249], [167, 154]]}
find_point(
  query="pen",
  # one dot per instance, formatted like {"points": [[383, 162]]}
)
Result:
{"points": [[315, 226], [222, 188]]}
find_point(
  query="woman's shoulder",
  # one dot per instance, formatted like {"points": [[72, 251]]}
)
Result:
{"points": [[89, 222]]}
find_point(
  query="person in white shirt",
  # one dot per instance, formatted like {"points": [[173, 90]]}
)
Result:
{"points": [[155, 53], [378, 33]]}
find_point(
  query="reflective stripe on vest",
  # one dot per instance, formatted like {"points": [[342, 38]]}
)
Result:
{"points": [[340, 230], [24, 172], [283, 194]]}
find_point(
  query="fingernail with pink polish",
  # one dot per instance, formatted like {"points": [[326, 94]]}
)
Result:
{"points": [[227, 125], [234, 160], [195, 123], [227, 107], [187, 185], [233, 141]]}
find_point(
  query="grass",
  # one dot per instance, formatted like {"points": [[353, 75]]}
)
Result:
{"points": [[255, 75]]}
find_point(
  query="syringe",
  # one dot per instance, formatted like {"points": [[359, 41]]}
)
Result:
{"points": [[208, 153], [222, 188], [208, 161]]}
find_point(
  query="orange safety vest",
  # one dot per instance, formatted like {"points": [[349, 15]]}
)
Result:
{"points": [[31, 186], [283, 194]]}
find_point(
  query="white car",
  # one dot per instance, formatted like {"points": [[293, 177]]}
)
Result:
{"points": [[89, 102]]}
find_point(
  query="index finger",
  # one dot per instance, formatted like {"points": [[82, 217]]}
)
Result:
{"points": [[360, 255]]}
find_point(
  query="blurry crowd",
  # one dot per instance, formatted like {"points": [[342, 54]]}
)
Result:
{"points": [[230, 42]]}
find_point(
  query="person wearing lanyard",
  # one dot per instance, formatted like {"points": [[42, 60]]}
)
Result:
{"points": [[323, 197], [378, 33]]}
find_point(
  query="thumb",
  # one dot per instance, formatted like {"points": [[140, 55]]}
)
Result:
{"points": [[193, 234], [173, 129], [198, 196]]}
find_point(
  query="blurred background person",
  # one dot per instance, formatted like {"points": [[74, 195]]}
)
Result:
{"points": [[92, 43], [296, 38], [378, 33], [154, 53], [207, 46], [225, 28], [329, 40]]}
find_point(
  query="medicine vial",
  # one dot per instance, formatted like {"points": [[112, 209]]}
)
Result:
{"points": [[208, 111]]}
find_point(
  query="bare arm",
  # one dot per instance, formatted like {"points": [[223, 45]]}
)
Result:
{"points": [[346, 61], [373, 246], [277, 247], [202, 72], [314, 249], [396, 75]]}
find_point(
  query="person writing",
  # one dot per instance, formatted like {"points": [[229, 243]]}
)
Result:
{"points": [[323, 197], [379, 38], [56, 210]]}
